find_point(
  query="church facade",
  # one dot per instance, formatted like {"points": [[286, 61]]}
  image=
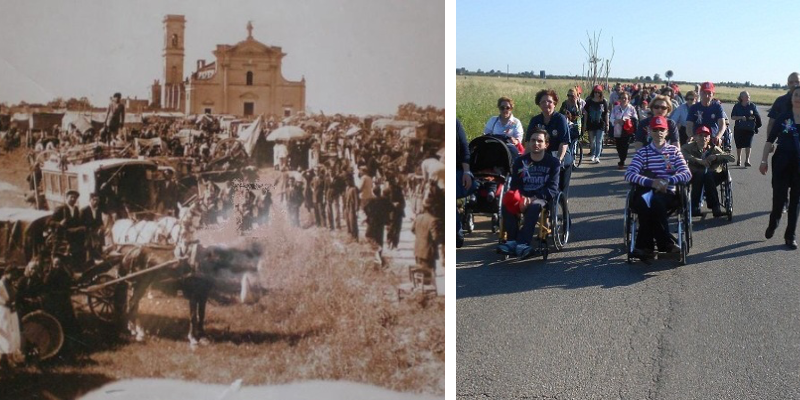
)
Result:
{"points": [[245, 79]]}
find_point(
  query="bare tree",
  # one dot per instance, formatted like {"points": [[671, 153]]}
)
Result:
{"points": [[599, 68]]}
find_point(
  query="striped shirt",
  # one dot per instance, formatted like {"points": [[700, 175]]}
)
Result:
{"points": [[667, 164]]}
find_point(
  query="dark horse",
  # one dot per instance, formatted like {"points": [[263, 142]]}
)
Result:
{"points": [[194, 272]]}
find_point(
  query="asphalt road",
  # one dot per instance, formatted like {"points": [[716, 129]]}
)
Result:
{"points": [[587, 325]]}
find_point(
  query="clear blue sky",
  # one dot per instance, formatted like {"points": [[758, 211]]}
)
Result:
{"points": [[698, 40], [358, 56]]}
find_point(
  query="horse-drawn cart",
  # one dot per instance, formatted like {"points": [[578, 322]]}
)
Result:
{"points": [[28, 245]]}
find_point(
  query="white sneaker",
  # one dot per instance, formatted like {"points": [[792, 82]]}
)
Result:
{"points": [[593, 159], [597, 160]]}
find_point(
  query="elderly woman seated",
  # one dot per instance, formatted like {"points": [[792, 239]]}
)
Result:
{"points": [[656, 169]]}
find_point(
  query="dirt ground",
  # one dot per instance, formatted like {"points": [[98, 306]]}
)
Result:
{"points": [[327, 313]]}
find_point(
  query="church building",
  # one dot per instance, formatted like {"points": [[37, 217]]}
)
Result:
{"points": [[245, 79]]}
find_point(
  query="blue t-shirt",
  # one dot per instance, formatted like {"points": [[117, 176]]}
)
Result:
{"points": [[780, 105], [557, 130], [536, 178], [706, 116]]}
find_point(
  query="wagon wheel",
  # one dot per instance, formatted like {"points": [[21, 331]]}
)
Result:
{"points": [[42, 333], [101, 301]]}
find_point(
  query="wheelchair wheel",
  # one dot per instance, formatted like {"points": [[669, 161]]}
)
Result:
{"points": [[629, 222], [686, 192], [685, 225], [577, 156], [559, 221], [726, 192]]}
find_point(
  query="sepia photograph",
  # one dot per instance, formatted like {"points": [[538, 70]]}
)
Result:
{"points": [[222, 200]]}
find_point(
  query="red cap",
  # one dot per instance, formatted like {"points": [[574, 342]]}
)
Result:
{"points": [[598, 88], [702, 130], [659, 122], [511, 201], [707, 87]]}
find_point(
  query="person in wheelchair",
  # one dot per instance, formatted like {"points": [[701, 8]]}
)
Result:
{"points": [[656, 169], [705, 161], [534, 183]]}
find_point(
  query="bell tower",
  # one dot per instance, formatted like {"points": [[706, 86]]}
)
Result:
{"points": [[172, 97]]}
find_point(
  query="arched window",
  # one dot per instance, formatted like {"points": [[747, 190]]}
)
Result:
{"points": [[175, 78], [175, 40], [249, 78]]}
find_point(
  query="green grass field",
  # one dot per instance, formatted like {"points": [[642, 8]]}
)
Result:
{"points": [[476, 97]]}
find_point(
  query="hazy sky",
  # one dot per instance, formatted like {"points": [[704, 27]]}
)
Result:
{"points": [[358, 56], [698, 40]]}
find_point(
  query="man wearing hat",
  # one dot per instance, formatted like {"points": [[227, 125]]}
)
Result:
{"points": [[92, 219], [428, 231], [115, 117], [69, 226], [707, 113], [705, 161]]}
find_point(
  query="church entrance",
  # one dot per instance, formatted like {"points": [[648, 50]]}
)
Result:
{"points": [[248, 109]]}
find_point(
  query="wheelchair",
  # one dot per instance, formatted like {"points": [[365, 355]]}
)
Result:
{"points": [[682, 224], [552, 229], [726, 191]]}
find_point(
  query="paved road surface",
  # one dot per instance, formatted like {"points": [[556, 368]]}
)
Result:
{"points": [[588, 325]]}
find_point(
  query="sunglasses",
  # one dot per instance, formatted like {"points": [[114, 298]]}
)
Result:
{"points": [[658, 107], [689, 98], [504, 108]]}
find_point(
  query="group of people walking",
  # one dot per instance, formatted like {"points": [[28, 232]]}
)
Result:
{"points": [[679, 139]]}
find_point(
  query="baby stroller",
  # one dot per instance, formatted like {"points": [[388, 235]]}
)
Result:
{"points": [[491, 157]]}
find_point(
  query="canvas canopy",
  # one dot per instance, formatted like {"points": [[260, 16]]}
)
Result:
{"points": [[286, 133], [353, 131], [391, 123], [82, 121], [249, 136], [45, 121]]}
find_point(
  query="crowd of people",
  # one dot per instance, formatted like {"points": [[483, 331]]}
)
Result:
{"points": [[678, 138]]}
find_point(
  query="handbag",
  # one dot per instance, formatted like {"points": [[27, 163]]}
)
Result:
{"points": [[627, 127], [746, 125]]}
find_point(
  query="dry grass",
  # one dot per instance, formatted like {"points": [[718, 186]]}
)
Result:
{"points": [[327, 313]]}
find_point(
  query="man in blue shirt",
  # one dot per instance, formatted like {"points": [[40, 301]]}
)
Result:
{"points": [[784, 102], [707, 113], [534, 179]]}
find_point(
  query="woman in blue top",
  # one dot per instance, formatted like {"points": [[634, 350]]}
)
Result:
{"points": [[748, 120], [557, 128], [785, 169]]}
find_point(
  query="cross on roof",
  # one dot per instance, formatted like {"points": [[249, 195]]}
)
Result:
{"points": [[249, 29]]}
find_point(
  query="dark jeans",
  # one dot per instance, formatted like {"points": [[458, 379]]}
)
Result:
{"points": [[511, 224], [785, 182], [653, 224], [705, 182], [623, 144]]}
